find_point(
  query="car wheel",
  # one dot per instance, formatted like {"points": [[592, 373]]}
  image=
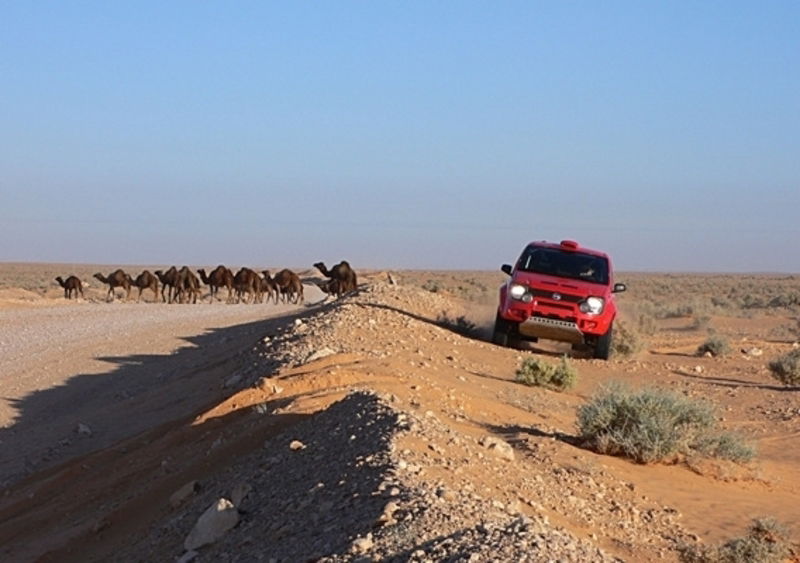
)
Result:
{"points": [[602, 348], [500, 333], [504, 333]]}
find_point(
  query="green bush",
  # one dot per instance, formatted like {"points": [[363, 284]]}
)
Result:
{"points": [[766, 542], [534, 371], [786, 368], [715, 345], [655, 425]]}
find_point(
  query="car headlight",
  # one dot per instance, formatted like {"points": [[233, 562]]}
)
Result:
{"points": [[592, 305], [520, 292]]}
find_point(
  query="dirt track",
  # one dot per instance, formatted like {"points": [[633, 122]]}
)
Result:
{"points": [[77, 378]]}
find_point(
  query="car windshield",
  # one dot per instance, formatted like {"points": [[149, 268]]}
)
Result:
{"points": [[564, 264]]}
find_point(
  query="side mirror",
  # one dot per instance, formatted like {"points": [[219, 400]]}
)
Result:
{"points": [[506, 268], [619, 288]]}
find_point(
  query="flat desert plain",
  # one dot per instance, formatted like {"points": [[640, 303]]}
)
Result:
{"points": [[380, 426]]}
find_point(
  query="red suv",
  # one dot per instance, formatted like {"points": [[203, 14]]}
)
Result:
{"points": [[558, 292]]}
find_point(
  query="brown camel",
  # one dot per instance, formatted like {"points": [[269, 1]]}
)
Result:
{"points": [[246, 281], [72, 286], [187, 286], [342, 278], [168, 281], [146, 280], [270, 287], [117, 278], [291, 288], [219, 277]]}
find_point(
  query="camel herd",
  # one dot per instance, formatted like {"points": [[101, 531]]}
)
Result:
{"points": [[183, 285]]}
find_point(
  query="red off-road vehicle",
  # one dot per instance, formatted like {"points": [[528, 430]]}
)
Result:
{"points": [[558, 292]]}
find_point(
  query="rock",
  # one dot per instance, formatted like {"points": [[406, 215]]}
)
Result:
{"points": [[239, 493], [180, 496], [387, 517], [187, 557], [319, 354], [753, 352], [295, 445], [212, 524], [698, 369], [362, 545], [83, 429], [499, 447], [232, 381]]}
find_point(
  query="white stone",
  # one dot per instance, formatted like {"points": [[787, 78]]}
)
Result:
{"points": [[83, 429], [362, 545], [499, 447]]}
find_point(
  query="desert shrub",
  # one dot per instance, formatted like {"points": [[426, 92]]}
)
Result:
{"points": [[461, 324], [432, 285], [655, 425], [701, 322], [626, 340], [786, 368], [766, 542], [714, 345], [646, 325], [674, 312], [537, 372]]}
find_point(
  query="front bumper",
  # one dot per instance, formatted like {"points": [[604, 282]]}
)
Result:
{"points": [[551, 329]]}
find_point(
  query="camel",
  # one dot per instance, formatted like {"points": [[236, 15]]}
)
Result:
{"points": [[291, 288], [342, 278], [168, 280], [247, 281], [117, 278], [72, 285], [269, 287], [146, 280], [219, 277], [187, 286]]}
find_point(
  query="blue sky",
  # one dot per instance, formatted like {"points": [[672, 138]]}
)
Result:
{"points": [[400, 134]]}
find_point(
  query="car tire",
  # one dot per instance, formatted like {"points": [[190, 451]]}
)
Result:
{"points": [[500, 332], [602, 348], [504, 333]]}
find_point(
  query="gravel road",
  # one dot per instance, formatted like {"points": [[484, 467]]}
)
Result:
{"points": [[77, 378]]}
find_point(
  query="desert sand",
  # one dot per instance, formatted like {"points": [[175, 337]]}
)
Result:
{"points": [[379, 426]]}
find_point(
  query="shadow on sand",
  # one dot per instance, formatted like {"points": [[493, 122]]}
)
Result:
{"points": [[138, 392]]}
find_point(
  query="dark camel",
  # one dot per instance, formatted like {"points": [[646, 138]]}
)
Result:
{"points": [[187, 286], [146, 280], [168, 281], [72, 286], [117, 278], [246, 281], [269, 287], [290, 286], [219, 277], [342, 278]]}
